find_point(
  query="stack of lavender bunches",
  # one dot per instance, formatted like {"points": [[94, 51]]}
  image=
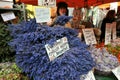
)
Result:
{"points": [[32, 58]]}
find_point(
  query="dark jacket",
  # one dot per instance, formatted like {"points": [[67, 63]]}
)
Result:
{"points": [[103, 27]]}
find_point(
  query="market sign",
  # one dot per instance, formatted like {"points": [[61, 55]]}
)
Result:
{"points": [[48, 3], [114, 33], [70, 9], [8, 16], [59, 47], [42, 14], [116, 72], [108, 33], [114, 6], [6, 4], [89, 36], [89, 76]]}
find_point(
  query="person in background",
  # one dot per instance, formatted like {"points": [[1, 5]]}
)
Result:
{"points": [[118, 23], [77, 16], [110, 17], [62, 9]]}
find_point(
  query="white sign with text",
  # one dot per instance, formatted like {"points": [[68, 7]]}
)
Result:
{"points": [[114, 6], [48, 3], [8, 16], [89, 76], [70, 11], [116, 72], [89, 36], [59, 47], [42, 14], [108, 33], [114, 33]]}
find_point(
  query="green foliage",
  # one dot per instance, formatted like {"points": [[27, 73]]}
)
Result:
{"points": [[5, 50], [7, 68], [10, 71]]}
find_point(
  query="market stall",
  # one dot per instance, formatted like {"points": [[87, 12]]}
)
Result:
{"points": [[61, 51]]}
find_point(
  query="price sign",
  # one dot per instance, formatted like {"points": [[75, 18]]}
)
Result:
{"points": [[108, 33], [42, 14], [49, 3], [70, 11], [89, 76], [89, 36], [116, 72], [114, 34], [8, 16], [59, 47], [114, 6]]}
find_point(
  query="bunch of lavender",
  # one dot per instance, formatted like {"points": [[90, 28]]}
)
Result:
{"points": [[23, 27], [32, 58], [62, 20]]}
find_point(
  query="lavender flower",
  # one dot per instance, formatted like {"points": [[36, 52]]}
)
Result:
{"points": [[32, 58]]}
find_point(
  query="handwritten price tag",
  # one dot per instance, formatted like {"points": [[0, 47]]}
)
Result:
{"points": [[116, 72], [70, 11], [59, 47], [42, 14], [8, 16], [49, 3], [114, 34], [89, 76], [89, 36], [108, 33]]}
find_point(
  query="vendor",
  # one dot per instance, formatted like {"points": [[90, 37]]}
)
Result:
{"points": [[62, 9]]}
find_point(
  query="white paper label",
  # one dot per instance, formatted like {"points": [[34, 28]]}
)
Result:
{"points": [[114, 34], [49, 3], [108, 33], [42, 14], [59, 47], [8, 16], [114, 6], [8, 0], [70, 11], [3, 4], [89, 36], [116, 71], [89, 76]]}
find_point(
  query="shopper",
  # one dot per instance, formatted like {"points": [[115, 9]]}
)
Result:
{"points": [[77, 16], [118, 24], [110, 17]]}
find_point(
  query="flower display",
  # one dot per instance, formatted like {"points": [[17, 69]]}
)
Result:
{"points": [[32, 58]]}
